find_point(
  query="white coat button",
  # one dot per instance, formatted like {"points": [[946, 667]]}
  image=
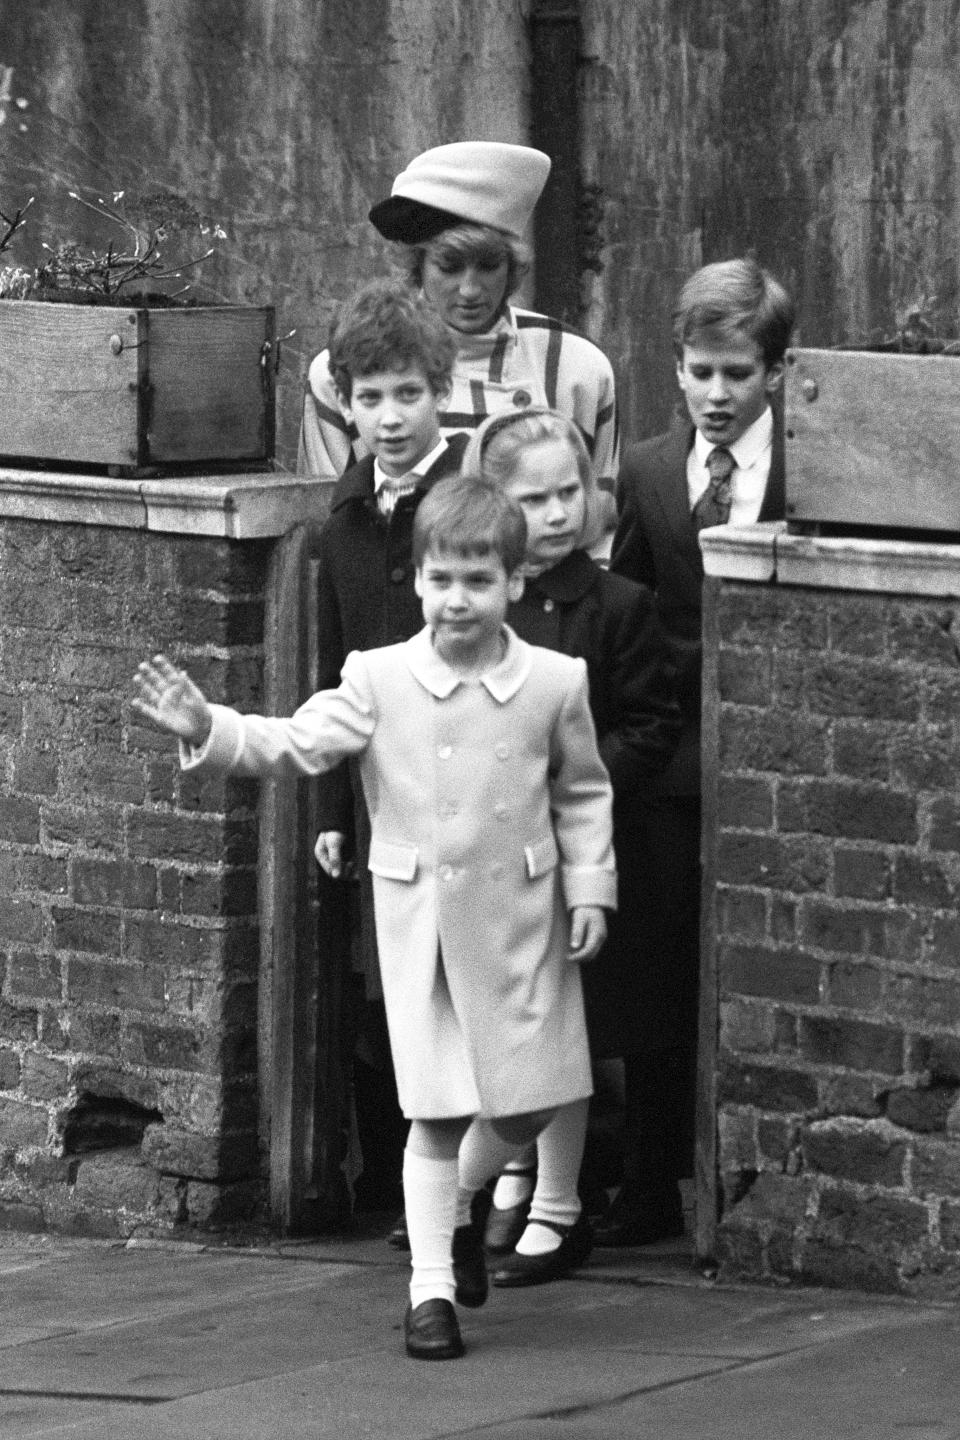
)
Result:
{"points": [[501, 751], [500, 812], [448, 809], [547, 606], [496, 870], [444, 751], [446, 872]]}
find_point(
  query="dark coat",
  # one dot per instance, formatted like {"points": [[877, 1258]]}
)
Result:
{"points": [[582, 610], [656, 544], [365, 599]]}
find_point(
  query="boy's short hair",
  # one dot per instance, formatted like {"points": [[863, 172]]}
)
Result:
{"points": [[497, 445], [734, 297], [386, 326], [466, 243], [463, 516]]}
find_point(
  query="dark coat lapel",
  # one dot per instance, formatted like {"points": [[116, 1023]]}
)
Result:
{"points": [[669, 479]]}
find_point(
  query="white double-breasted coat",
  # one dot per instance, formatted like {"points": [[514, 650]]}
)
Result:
{"points": [[490, 815]]}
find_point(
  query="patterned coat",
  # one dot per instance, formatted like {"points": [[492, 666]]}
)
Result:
{"points": [[490, 812], [526, 359]]}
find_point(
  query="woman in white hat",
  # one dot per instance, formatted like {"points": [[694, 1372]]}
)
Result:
{"points": [[459, 213]]}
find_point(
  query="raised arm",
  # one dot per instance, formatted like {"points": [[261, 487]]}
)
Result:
{"points": [[330, 726]]}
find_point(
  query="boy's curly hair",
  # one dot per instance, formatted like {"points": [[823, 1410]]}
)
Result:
{"points": [[386, 326], [732, 297]]}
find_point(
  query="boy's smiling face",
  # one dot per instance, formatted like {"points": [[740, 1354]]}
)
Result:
{"points": [[396, 414], [726, 386], [465, 599]]}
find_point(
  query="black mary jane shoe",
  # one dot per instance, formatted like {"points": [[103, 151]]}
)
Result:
{"points": [[469, 1266], [576, 1242], [644, 1222], [431, 1332], [504, 1227]]}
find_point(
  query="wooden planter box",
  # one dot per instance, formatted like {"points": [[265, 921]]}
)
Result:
{"points": [[136, 388], [873, 440]]}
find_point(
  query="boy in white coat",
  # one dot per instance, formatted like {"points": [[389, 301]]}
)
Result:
{"points": [[492, 863]]}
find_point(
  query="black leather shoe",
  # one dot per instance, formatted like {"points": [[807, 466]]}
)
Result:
{"points": [[504, 1227], [576, 1242], [469, 1266], [431, 1332], [642, 1222], [397, 1236]]}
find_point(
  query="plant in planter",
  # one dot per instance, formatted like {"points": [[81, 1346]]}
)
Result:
{"points": [[873, 432], [106, 359]]}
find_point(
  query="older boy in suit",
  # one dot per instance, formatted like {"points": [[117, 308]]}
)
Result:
{"points": [[723, 463]]}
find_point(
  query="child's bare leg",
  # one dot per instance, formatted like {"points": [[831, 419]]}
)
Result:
{"points": [[430, 1169], [555, 1199]]}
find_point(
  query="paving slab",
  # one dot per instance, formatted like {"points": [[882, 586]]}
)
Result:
{"points": [[303, 1341]]}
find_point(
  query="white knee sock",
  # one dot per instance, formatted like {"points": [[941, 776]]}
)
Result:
{"points": [[430, 1199], [559, 1156]]}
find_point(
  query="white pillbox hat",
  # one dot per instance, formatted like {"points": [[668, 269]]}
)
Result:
{"points": [[483, 182]]}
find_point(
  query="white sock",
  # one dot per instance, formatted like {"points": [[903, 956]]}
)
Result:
{"points": [[559, 1157], [513, 1187], [430, 1199]]}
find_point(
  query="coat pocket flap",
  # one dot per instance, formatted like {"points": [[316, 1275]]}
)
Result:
{"points": [[542, 856], [393, 861]]}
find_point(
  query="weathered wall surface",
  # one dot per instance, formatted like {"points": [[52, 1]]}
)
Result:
{"points": [[282, 119], [128, 928], [821, 133], [837, 885]]}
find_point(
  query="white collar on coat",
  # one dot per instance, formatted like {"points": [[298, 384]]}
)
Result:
{"points": [[503, 681]]}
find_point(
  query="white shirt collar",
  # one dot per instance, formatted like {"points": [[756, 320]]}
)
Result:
{"points": [[746, 451], [399, 482]]}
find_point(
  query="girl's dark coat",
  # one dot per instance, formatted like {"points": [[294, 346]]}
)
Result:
{"points": [[611, 622]]}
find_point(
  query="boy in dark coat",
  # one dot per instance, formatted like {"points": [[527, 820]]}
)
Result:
{"points": [[722, 464], [391, 360]]}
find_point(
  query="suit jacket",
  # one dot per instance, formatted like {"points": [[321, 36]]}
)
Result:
{"points": [[490, 811], [656, 544]]}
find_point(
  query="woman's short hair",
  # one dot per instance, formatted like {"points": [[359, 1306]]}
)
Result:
{"points": [[469, 517], [466, 243], [496, 446]]}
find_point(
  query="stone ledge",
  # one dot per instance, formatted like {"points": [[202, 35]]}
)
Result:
{"points": [[741, 552], [894, 567], [254, 506], [767, 554]]}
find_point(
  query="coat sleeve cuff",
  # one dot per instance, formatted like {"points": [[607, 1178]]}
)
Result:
{"points": [[222, 747], [589, 885]]}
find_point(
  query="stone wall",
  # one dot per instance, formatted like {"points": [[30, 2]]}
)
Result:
{"points": [[832, 748], [129, 948]]}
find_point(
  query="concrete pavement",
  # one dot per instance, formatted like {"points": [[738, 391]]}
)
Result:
{"points": [[297, 1340]]}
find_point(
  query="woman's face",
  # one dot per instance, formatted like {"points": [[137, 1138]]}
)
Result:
{"points": [[546, 485], [466, 291]]}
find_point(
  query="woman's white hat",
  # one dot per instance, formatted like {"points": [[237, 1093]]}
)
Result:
{"points": [[480, 181]]}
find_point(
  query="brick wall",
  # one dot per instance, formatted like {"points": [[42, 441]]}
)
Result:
{"points": [[128, 934], [832, 752]]}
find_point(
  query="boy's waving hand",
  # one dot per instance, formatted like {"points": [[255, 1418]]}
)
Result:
{"points": [[169, 698]]}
